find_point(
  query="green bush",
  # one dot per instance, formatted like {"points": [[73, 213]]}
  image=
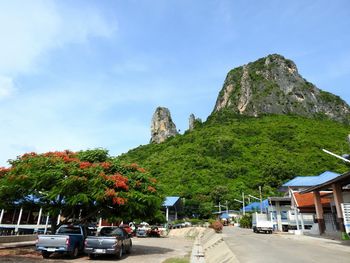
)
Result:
{"points": [[246, 221], [195, 221]]}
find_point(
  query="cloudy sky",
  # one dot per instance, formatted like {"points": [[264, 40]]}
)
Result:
{"points": [[85, 74]]}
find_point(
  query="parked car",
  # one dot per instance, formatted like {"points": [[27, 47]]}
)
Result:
{"points": [[110, 240], [142, 229], [69, 239], [127, 228], [141, 232], [153, 232]]}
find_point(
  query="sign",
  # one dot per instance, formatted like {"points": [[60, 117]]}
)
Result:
{"points": [[345, 207]]}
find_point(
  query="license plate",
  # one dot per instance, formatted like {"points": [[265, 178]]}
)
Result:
{"points": [[102, 251], [51, 249]]}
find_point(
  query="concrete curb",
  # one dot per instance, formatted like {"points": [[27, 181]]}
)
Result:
{"points": [[17, 244], [209, 247]]}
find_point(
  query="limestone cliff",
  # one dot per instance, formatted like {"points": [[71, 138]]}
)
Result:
{"points": [[162, 126], [272, 85]]}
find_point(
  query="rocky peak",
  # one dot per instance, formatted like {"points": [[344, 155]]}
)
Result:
{"points": [[273, 85], [191, 121], [162, 126]]}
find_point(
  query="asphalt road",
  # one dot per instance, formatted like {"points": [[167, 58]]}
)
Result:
{"points": [[271, 248], [145, 250]]}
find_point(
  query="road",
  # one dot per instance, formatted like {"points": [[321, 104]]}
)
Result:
{"points": [[271, 248], [145, 250]]}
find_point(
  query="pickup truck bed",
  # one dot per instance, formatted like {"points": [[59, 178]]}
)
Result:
{"points": [[68, 240]]}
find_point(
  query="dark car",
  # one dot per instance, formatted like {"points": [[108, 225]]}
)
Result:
{"points": [[109, 240]]}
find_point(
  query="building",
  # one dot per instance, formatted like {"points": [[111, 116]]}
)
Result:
{"points": [[172, 206], [339, 195]]}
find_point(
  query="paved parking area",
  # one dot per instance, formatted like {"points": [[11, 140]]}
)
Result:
{"points": [[145, 250]]}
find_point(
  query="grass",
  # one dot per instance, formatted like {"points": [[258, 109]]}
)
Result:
{"points": [[177, 260]]}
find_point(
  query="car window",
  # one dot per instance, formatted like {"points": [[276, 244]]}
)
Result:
{"points": [[111, 231], [69, 230]]}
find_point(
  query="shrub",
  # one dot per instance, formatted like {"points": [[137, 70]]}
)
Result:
{"points": [[217, 226], [246, 221]]}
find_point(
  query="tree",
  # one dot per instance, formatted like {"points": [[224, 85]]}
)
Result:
{"points": [[80, 186]]}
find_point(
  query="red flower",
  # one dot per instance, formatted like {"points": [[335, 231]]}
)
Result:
{"points": [[119, 200], [28, 155], [153, 180], [151, 189], [110, 192], [105, 165], [85, 165], [120, 181]]}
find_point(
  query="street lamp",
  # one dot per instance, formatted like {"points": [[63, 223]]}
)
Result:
{"points": [[242, 202], [260, 199]]}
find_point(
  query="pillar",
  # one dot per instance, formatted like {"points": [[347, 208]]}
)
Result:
{"points": [[278, 216], [338, 199], [100, 222], [296, 217], [39, 218], [319, 212], [46, 223], [302, 221], [59, 218], [167, 214], [19, 220], [2, 215]]}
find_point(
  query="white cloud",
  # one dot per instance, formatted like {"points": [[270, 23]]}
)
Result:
{"points": [[6, 87], [30, 29]]}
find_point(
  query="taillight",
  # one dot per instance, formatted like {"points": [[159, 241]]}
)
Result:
{"points": [[67, 241], [85, 242]]}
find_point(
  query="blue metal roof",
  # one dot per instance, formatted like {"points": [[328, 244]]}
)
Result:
{"points": [[255, 206], [311, 180], [225, 215], [170, 200]]}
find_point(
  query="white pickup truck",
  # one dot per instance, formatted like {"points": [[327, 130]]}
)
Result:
{"points": [[261, 223]]}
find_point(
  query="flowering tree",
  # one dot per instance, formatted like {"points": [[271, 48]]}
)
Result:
{"points": [[80, 186]]}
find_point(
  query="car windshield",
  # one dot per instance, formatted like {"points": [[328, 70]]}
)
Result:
{"points": [[69, 230], [111, 231]]}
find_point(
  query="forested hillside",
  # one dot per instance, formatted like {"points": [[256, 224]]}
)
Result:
{"points": [[230, 154]]}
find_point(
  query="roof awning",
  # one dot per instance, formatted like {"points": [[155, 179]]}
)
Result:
{"points": [[343, 179], [170, 201]]}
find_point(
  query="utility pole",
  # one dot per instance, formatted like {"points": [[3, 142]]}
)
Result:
{"points": [[243, 203], [260, 199]]}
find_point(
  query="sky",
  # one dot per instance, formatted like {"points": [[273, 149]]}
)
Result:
{"points": [[89, 74]]}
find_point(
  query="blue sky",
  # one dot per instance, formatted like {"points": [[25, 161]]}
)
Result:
{"points": [[85, 74]]}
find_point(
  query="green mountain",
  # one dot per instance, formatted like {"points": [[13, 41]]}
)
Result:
{"points": [[237, 151]]}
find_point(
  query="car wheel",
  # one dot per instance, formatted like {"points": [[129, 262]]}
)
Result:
{"points": [[45, 254], [120, 253], [128, 250], [74, 253], [92, 256]]}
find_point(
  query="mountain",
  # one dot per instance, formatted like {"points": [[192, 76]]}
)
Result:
{"points": [[256, 136], [272, 85]]}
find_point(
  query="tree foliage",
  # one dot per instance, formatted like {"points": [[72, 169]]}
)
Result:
{"points": [[81, 186], [230, 154]]}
